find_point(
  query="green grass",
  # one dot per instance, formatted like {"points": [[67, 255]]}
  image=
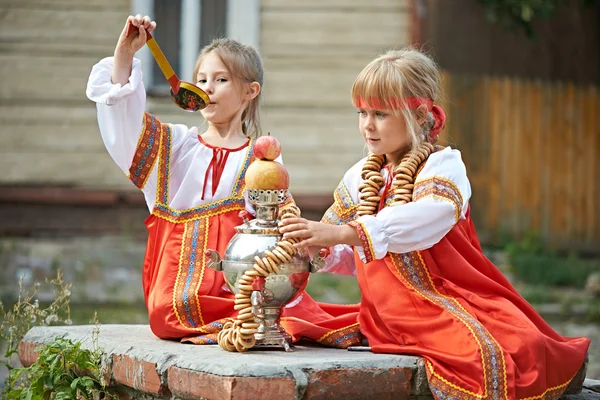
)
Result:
{"points": [[535, 264], [109, 313], [331, 288]]}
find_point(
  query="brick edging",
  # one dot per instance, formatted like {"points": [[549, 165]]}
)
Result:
{"points": [[136, 375]]}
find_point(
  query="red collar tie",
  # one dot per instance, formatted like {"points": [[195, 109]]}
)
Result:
{"points": [[217, 166]]}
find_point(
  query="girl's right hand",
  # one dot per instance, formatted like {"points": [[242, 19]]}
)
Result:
{"points": [[129, 45], [311, 233]]}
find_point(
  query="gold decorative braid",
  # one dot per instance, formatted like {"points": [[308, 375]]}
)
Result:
{"points": [[402, 185], [238, 335]]}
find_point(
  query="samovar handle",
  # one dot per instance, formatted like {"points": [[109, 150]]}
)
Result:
{"points": [[318, 260], [214, 260]]}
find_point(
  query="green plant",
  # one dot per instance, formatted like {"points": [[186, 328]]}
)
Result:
{"points": [[538, 294], [64, 370], [535, 264], [593, 312], [27, 313]]}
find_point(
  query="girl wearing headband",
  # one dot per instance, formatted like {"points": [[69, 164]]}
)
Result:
{"points": [[401, 223]]}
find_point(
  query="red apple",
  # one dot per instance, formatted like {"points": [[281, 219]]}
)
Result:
{"points": [[267, 175], [267, 148]]}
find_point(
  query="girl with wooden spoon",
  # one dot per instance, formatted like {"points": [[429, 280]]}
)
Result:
{"points": [[193, 183]]}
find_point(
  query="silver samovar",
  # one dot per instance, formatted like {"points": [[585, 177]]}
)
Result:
{"points": [[273, 292]]}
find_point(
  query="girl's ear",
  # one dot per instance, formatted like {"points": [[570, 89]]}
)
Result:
{"points": [[252, 91], [421, 114]]}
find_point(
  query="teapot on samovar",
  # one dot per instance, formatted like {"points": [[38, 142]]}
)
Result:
{"points": [[264, 271]]}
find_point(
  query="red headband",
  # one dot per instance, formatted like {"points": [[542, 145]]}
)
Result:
{"points": [[410, 102]]}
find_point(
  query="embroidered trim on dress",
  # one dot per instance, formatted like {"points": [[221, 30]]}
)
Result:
{"points": [[342, 338], [343, 209], [553, 393], [146, 151], [439, 188], [210, 330], [365, 239], [207, 210], [239, 187], [413, 271], [190, 273], [164, 166]]}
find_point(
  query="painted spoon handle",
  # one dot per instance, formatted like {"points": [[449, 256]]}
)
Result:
{"points": [[160, 58]]}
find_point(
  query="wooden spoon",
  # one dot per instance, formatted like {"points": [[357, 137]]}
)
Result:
{"points": [[186, 95]]}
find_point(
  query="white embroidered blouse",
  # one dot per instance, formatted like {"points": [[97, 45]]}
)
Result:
{"points": [[440, 198]]}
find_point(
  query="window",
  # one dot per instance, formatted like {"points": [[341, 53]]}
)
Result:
{"points": [[185, 26]]}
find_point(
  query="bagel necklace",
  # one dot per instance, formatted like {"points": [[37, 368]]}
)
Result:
{"points": [[402, 184]]}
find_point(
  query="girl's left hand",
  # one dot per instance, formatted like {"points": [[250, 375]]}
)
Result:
{"points": [[312, 233]]}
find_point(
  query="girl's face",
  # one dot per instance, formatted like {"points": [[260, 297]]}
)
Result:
{"points": [[227, 100], [384, 132]]}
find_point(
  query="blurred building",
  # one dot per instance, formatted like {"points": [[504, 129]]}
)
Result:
{"points": [[57, 178]]}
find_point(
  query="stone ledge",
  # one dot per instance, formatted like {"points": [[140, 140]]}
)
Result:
{"points": [[143, 366], [590, 391]]}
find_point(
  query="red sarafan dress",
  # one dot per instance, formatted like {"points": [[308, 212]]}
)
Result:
{"points": [[428, 290], [195, 193]]}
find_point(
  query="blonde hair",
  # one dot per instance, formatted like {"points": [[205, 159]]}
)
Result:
{"points": [[395, 75], [245, 64]]}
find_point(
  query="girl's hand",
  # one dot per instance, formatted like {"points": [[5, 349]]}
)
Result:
{"points": [[129, 45], [317, 233]]}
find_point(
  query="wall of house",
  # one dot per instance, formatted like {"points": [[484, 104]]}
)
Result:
{"points": [[312, 50], [48, 130]]}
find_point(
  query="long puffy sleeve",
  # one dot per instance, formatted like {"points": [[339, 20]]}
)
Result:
{"points": [[132, 136], [440, 198], [121, 117], [120, 110], [340, 260]]}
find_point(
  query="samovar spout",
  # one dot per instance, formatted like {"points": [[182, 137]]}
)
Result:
{"points": [[214, 260], [318, 261]]}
